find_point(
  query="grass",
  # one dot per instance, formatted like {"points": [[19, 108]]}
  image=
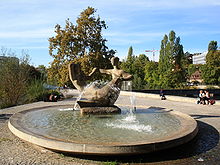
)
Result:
{"points": [[4, 139], [111, 163]]}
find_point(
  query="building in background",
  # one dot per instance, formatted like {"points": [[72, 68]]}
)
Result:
{"points": [[199, 58], [196, 77]]}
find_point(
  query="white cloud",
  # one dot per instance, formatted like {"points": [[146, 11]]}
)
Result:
{"points": [[38, 33], [169, 3], [134, 34]]}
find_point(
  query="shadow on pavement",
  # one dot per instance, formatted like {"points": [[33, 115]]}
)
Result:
{"points": [[206, 139], [204, 116], [4, 117]]}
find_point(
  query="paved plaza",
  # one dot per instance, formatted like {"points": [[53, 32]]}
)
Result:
{"points": [[203, 149]]}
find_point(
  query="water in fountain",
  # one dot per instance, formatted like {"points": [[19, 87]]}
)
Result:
{"points": [[133, 102], [129, 121], [76, 105], [70, 125]]}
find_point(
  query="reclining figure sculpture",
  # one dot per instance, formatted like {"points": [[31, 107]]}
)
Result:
{"points": [[99, 96]]}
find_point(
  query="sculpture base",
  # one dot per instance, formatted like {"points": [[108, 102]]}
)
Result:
{"points": [[100, 110], [88, 107]]}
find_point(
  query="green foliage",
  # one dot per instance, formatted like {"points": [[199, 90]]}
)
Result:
{"points": [[210, 74], [43, 72], [135, 65], [151, 75], [172, 62], [14, 78], [137, 82], [211, 70], [127, 64], [213, 45], [111, 163], [81, 43], [130, 52], [192, 68], [17, 78], [213, 58], [35, 91]]}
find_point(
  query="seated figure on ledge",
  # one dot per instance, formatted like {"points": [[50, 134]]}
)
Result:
{"points": [[99, 97]]}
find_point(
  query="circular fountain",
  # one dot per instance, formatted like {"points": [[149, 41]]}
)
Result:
{"points": [[94, 129], [146, 130]]}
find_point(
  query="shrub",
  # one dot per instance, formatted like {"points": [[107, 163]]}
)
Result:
{"points": [[36, 91]]}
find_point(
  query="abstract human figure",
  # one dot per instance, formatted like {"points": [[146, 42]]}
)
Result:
{"points": [[106, 95]]}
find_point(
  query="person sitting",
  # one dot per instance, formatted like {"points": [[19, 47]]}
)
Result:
{"points": [[162, 96], [207, 97], [201, 97], [212, 99], [53, 98]]}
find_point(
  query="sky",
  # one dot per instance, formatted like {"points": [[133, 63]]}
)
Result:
{"points": [[28, 24]]}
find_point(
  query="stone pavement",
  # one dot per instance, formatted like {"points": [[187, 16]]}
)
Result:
{"points": [[204, 149]]}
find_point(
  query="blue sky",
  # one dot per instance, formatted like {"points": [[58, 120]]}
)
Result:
{"points": [[27, 24]]}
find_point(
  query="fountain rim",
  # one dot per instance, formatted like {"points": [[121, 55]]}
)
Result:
{"points": [[187, 132]]}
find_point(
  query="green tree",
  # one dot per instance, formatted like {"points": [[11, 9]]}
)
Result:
{"points": [[127, 64], [138, 71], [151, 75], [192, 68], [211, 70], [135, 65], [213, 58], [213, 45], [81, 43], [130, 52], [210, 74], [43, 72], [171, 62], [17, 77], [14, 79], [164, 59]]}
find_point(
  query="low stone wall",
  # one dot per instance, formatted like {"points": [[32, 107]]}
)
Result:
{"points": [[74, 92], [182, 92], [169, 97]]}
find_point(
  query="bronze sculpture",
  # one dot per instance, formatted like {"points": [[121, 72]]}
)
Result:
{"points": [[95, 96]]}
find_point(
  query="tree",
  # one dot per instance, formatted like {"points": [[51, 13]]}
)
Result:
{"points": [[171, 60], [192, 68], [135, 65], [210, 74], [151, 75], [130, 52], [213, 45], [164, 59], [81, 43], [213, 55], [127, 64], [14, 79], [43, 72], [213, 58], [211, 70]]}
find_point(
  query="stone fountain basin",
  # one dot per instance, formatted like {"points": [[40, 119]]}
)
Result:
{"points": [[186, 131]]}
